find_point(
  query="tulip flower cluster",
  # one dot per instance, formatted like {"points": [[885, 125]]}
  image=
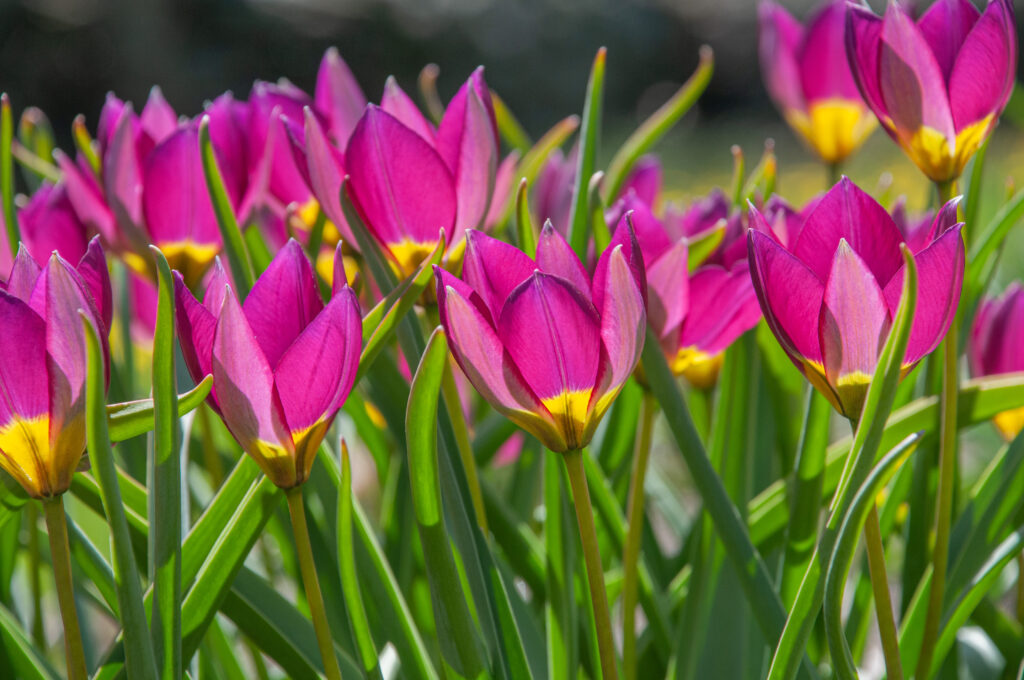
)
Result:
{"points": [[439, 341]]}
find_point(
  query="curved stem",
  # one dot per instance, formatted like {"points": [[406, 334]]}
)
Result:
{"points": [[634, 533], [60, 554], [592, 556], [883, 600], [947, 470], [312, 585]]}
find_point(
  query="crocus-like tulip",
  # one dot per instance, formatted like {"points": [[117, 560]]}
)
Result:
{"points": [[807, 75], [937, 85], [542, 342], [995, 347], [42, 365], [47, 223], [409, 181], [830, 297], [696, 315], [282, 362]]}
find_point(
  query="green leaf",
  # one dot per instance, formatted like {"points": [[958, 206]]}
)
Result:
{"points": [[36, 150], [132, 418], [234, 243], [658, 123], [84, 143], [846, 543], [139, 659], [561, 615], [10, 214], [867, 438], [700, 246], [18, 656], [165, 484], [974, 189], [985, 246], [511, 130], [526, 230], [457, 633], [590, 133], [595, 208], [349, 580]]}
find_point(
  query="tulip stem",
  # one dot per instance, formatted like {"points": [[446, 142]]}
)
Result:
{"points": [[453, 403], [592, 556], [947, 470], [60, 555], [1020, 587], [835, 173], [883, 600], [311, 583], [634, 532]]}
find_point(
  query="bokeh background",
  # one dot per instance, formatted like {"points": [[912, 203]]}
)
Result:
{"points": [[65, 55]]}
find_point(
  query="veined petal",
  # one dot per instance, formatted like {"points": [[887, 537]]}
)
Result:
{"points": [[122, 172], [87, 198], [723, 306], [93, 270], [853, 325], [911, 81], [283, 302], [779, 39], [945, 26], [625, 236], [790, 295], [651, 234], [863, 52], [196, 328], [245, 386], [940, 275], [338, 96], [482, 357], [555, 256], [847, 211], [157, 119], [397, 103], [24, 275], [23, 385], [982, 78], [401, 186], [49, 222], [998, 329], [325, 166], [668, 290], [553, 335], [503, 180], [494, 269], [316, 373], [824, 69]]}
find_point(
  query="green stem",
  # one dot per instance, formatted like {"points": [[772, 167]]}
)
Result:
{"points": [[592, 556], [10, 214], [35, 589], [947, 471], [1020, 587], [634, 533], [453, 403], [312, 585], [883, 601], [835, 173], [60, 555]]}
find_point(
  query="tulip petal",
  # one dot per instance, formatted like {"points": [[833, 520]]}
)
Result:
{"points": [[982, 77], [157, 119], [645, 180], [723, 306], [790, 295], [325, 166], [338, 96], [49, 222], [467, 142], [284, 300], [668, 290], [23, 385], [945, 26], [24, 275], [995, 338], [853, 324], [555, 256], [122, 172], [779, 39], [623, 327], [93, 270], [87, 198], [824, 69], [847, 211], [488, 365], [397, 103], [863, 49], [196, 328], [625, 235], [940, 274], [401, 186], [911, 81], [494, 269], [245, 383], [651, 234]]}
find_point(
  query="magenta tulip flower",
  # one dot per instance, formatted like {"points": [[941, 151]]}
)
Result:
{"points": [[544, 343], [938, 85], [696, 315], [48, 223], [42, 365], [808, 77], [995, 347], [830, 297], [409, 181], [282, 362]]}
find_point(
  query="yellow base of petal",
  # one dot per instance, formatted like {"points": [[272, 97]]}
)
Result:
{"points": [[834, 127], [1010, 423], [930, 150], [570, 411], [307, 217], [25, 455], [699, 368], [408, 255]]}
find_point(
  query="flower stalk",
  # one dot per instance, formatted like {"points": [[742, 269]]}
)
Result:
{"points": [[60, 554]]}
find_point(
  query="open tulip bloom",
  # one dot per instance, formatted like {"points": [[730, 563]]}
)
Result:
{"points": [[830, 298], [806, 72], [544, 343], [42, 365], [283, 363], [938, 85]]}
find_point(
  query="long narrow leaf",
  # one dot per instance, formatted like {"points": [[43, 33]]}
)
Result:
{"points": [[7, 174], [131, 418], [590, 132]]}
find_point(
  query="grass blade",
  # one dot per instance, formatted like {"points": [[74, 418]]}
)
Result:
{"points": [[590, 131]]}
